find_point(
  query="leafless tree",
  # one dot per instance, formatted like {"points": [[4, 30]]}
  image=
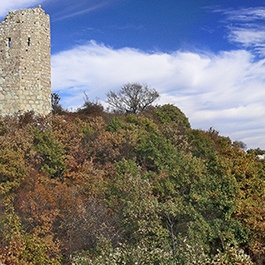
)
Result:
{"points": [[132, 98]]}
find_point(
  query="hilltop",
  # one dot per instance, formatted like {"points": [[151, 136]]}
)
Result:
{"points": [[103, 188]]}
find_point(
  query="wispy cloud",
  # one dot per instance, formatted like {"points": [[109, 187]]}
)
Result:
{"points": [[224, 90], [79, 10], [246, 27], [250, 36], [246, 14]]}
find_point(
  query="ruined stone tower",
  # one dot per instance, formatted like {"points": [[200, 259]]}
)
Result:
{"points": [[25, 70]]}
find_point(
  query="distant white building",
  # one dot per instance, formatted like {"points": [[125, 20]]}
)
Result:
{"points": [[260, 157]]}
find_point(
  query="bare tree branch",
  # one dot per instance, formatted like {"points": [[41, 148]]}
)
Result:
{"points": [[132, 98]]}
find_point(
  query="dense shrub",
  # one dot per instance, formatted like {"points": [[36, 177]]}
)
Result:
{"points": [[90, 188]]}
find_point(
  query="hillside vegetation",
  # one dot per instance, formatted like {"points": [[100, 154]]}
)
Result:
{"points": [[103, 188]]}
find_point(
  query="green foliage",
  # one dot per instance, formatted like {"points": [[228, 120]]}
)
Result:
{"points": [[127, 189], [169, 113], [231, 256], [12, 170], [187, 255], [15, 144], [51, 153], [37, 252], [202, 146], [131, 195], [114, 125]]}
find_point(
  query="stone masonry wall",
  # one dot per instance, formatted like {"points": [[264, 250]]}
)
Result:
{"points": [[25, 68]]}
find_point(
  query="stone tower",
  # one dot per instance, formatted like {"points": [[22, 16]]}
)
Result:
{"points": [[25, 68]]}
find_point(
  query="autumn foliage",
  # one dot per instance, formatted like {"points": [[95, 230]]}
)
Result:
{"points": [[79, 188]]}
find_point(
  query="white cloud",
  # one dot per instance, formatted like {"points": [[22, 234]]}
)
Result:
{"points": [[247, 27], [8, 5], [246, 14], [223, 90], [247, 36]]}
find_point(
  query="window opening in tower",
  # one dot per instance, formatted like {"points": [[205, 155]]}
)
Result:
{"points": [[9, 42]]}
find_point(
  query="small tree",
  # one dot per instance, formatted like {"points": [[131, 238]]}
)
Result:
{"points": [[91, 107], [132, 98], [56, 106]]}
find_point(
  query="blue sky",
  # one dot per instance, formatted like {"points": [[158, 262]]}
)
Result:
{"points": [[204, 56]]}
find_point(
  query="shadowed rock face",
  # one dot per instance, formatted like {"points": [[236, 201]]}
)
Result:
{"points": [[25, 68]]}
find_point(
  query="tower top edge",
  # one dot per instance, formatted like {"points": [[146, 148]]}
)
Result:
{"points": [[33, 10]]}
